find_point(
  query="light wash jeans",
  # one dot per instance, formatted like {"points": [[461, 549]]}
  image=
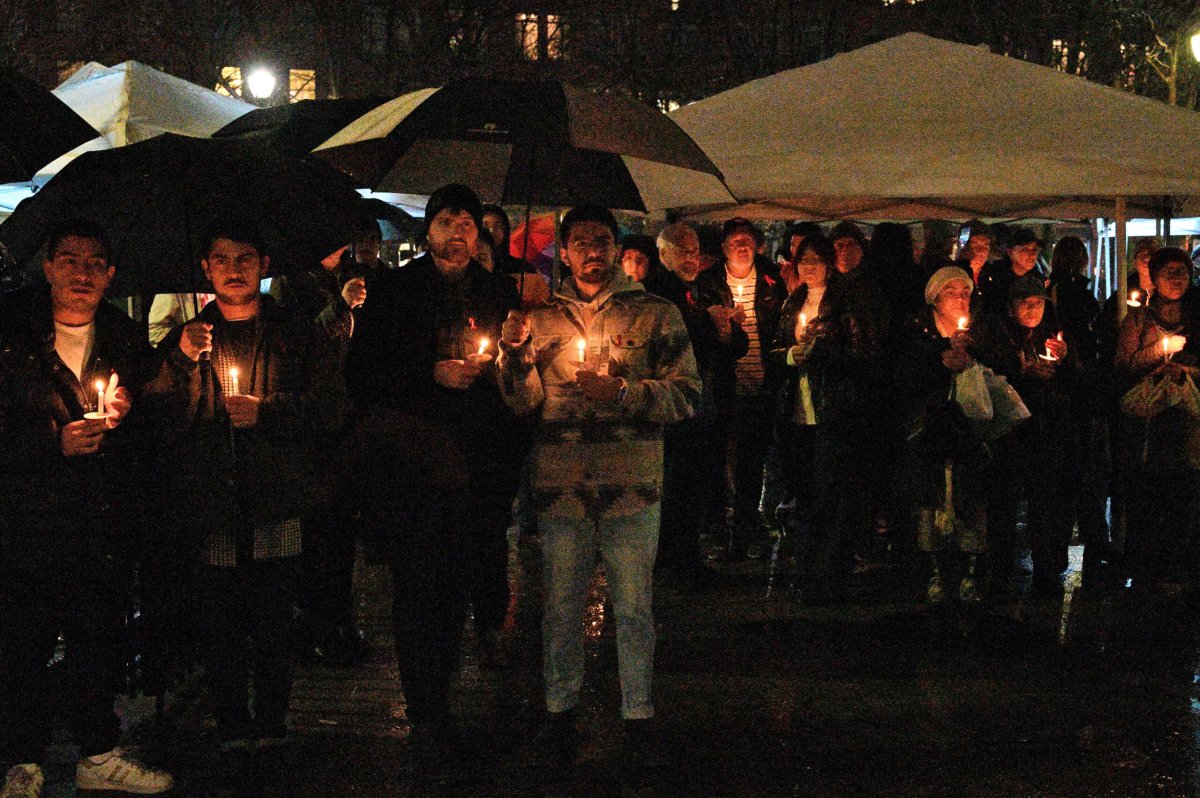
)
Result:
{"points": [[569, 547]]}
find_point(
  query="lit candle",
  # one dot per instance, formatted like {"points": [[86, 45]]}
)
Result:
{"points": [[962, 323], [581, 345], [233, 378], [481, 356], [100, 397], [803, 321], [741, 291], [1134, 300]]}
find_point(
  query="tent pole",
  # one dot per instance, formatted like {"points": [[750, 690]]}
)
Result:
{"points": [[1119, 247]]}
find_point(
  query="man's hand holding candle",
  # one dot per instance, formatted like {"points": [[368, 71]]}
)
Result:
{"points": [[82, 437], [242, 409], [458, 375]]}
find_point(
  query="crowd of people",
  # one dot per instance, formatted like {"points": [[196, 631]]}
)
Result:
{"points": [[656, 397]]}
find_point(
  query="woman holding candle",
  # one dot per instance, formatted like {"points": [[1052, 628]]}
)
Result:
{"points": [[945, 464], [1162, 341], [808, 347], [1049, 367]]}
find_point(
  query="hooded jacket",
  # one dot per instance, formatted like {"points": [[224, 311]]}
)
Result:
{"points": [[594, 458]]}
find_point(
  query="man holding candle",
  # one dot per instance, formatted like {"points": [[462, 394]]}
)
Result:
{"points": [[247, 390], [598, 459], [69, 540], [757, 299], [424, 377], [693, 457]]}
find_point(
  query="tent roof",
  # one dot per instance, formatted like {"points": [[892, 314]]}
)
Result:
{"points": [[917, 127], [131, 102]]}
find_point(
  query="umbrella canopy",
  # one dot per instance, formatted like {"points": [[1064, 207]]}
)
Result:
{"points": [[155, 199], [295, 128], [916, 127], [526, 142], [35, 127]]}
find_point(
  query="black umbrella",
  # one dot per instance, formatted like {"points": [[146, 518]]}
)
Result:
{"points": [[156, 197], [295, 128], [524, 142], [35, 127]]}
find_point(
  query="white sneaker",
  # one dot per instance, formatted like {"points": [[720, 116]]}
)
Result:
{"points": [[23, 781], [119, 773]]}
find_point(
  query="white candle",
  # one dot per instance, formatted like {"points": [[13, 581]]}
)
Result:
{"points": [[1134, 301], [962, 323], [100, 397], [581, 345], [233, 378]]}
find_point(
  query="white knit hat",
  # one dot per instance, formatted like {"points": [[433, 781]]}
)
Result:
{"points": [[946, 274]]}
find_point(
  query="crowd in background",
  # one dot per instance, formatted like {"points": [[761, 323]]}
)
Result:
{"points": [[840, 405]]}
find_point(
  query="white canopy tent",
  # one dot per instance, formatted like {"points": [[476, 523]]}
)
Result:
{"points": [[917, 128]]}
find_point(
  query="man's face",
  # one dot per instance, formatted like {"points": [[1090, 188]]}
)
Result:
{"points": [[1029, 311], [682, 257], [591, 253], [635, 264], [78, 274], [366, 251], [453, 235], [235, 268], [739, 247], [1172, 280], [1024, 257], [849, 253], [495, 226]]}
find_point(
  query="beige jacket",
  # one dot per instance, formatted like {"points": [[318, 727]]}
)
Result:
{"points": [[601, 458]]}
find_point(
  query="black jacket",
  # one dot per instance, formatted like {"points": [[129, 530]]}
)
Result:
{"points": [[262, 474], [54, 506], [716, 360]]}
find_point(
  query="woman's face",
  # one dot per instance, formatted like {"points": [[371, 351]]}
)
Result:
{"points": [[1028, 311], [1172, 280], [954, 301], [812, 271], [635, 263]]}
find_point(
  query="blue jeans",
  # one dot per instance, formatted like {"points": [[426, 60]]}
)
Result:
{"points": [[627, 545]]}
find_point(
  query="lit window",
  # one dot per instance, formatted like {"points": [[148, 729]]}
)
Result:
{"points": [[230, 83], [530, 35], [302, 84]]}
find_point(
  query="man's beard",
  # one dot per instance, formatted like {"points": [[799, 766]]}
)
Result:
{"points": [[595, 273]]}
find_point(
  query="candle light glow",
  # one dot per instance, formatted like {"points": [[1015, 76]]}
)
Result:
{"points": [[962, 323], [100, 397], [483, 345], [233, 378], [1134, 300]]}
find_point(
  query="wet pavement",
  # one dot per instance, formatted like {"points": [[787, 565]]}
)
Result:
{"points": [[760, 695]]}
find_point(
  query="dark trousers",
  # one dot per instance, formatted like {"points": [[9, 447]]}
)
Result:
{"points": [[751, 430], [326, 583], [841, 486], [428, 600], [85, 602], [485, 558], [1164, 537], [693, 473], [248, 627]]}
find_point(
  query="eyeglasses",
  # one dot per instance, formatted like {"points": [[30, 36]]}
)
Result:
{"points": [[584, 245]]}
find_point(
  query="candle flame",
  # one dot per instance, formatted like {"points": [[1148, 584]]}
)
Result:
{"points": [[233, 373], [803, 320], [1164, 344], [962, 322], [581, 345], [471, 322], [1059, 336], [99, 386], [483, 345]]}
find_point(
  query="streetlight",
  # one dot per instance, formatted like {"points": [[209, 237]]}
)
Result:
{"points": [[261, 83]]}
